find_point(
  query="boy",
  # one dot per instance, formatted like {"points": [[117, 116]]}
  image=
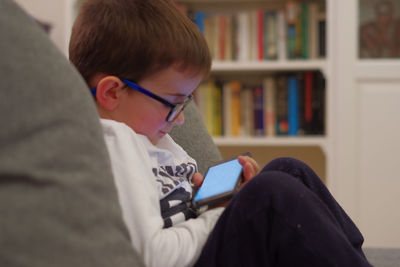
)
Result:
{"points": [[143, 59]]}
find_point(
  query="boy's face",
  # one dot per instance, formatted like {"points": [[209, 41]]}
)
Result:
{"points": [[146, 115]]}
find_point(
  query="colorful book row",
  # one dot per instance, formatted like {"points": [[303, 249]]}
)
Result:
{"points": [[283, 104], [297, 31]]}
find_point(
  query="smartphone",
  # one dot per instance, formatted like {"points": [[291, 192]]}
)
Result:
{"points": [[220, 183]]}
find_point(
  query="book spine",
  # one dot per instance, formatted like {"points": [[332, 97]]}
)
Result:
{"points": [[222, 36], [269, 105], [322, 35], [247, 115], [273, 36], [235, 108], [229, 38], [318, 105], [292, 30], [298, 33], [199, 20], [216, 37], [242, 36], [209, 34], [300, 82], [200, 100], [313, 30], [258, 111], [308, 96], [282, 36], [293, 105], [217, 109], [227, 109], [266, 34], [304, 31], [253, 30], [209, 107], [260, 35], [281, 105]]}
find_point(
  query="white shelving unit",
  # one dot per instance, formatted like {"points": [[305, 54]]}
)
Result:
{"points": [[273, 141], [278, 65]]}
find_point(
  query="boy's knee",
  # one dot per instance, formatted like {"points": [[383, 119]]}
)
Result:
{"points": [[284, 163], [271, 183]]}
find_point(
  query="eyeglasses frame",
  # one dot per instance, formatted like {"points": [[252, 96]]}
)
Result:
{"points": [[142, 90]]}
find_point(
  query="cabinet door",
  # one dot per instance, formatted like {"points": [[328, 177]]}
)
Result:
{"points": [[366, 132]]}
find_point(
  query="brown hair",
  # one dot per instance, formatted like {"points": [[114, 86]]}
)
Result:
{"points": [[133, 39]]}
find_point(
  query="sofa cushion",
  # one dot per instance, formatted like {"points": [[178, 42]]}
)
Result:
{"points": [[383, 257], [195, 139], [58, 202]]}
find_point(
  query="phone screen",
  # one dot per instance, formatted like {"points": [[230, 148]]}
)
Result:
{"points": [[219, 179]]}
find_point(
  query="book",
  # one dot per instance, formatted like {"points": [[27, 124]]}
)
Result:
{"points": [[281, 105], [253, 32], [308, 96], [235, 108], [247, 114], [209, 24], [260, 34], [242, 36], [293, 105], [313, 30], [282, 36], [292, 31], [258, 110], [318, 105], [298, 32], [304, 31], [269, 105], [300, 82], [227, 109], [271, 35], [215, 46], [229, 37], [209, 106], [217, 109], [322, 35], [222, 34], [199, 20]]}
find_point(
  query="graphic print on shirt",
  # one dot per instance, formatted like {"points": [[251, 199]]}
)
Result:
{"points": [[176, 192]]}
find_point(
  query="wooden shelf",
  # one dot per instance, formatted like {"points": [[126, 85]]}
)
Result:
{"points": [[281, 65], [271, 141]]}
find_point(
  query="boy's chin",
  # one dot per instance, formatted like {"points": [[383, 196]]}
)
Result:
{"points": [[155, 139]]}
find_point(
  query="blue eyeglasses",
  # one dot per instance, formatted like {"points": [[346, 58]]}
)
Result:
{"points": [[176, 109]]}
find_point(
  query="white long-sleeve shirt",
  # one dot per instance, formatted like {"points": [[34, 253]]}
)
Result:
{"points": [[136, 165]]}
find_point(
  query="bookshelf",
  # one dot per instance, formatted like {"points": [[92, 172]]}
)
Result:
{"points": [[268, 66], [314, 149]]}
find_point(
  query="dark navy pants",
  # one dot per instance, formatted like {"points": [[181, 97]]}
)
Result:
{"points": [[285, 216]]}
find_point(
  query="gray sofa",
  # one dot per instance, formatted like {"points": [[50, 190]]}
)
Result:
{"points": [[58, 203]]}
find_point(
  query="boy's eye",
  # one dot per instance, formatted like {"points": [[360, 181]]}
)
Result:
{"points": [[175, 99]]}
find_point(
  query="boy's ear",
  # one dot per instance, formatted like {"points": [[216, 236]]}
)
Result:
{"points": [[108, 92]]}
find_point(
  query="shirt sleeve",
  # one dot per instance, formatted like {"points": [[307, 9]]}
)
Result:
{"points": [[179, 245]]}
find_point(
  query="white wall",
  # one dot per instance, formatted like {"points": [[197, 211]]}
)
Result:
{"points": [[53, 12]]}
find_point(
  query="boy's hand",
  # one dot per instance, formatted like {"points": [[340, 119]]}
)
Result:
{"points": [[250, 168]]}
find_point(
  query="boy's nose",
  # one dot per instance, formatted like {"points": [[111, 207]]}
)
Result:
{"points": [[180, 119]]}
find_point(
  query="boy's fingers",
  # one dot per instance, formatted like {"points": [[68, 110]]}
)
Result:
{"points": [[197, 179], [250, 166]]}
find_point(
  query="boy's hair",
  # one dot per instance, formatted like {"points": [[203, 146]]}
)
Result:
{"points": [[133, 39]]}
